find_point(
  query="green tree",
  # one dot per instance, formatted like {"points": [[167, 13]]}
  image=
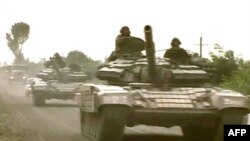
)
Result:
{"points": [[76, 57], [88, 65], [240, 79], [224, 62], [19, 34]]}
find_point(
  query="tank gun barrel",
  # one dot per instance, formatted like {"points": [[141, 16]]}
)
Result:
{"points": [[150, 51]]}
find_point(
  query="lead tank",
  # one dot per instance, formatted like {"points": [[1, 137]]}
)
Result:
{"points": [[156, 91]]}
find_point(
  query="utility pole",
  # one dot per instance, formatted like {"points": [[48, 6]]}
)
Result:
{"points": [[201, 45]]}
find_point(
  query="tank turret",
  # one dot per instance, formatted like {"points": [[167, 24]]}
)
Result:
{"points": [[57, 70], [149, 69]]}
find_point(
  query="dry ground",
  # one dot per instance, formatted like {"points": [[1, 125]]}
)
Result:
{"points": [[13, 127]]}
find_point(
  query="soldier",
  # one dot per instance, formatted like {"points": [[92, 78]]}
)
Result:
{"points": [[126, 45], [59, 60], [177, 53], [124, 33]]}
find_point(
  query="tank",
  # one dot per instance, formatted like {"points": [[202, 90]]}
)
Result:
{"points": [[58, 82], [157, 92]]}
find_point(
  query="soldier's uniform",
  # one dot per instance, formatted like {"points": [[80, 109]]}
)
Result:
{"points": [[177, 53], [119, 42], [58, 59]]}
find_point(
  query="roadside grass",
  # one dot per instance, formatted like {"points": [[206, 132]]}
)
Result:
{"points": [[13, 127]]}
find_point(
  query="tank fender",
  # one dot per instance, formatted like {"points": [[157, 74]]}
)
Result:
{"points": [[114, 100], [229, 99], [92, 97]]}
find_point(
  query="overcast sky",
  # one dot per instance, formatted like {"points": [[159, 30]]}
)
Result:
{"points": [[92, 25]]}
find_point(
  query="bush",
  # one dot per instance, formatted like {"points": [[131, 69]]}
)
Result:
{"points": [[240, 79]]}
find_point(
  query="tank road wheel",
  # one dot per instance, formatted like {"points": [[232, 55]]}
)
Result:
{"points": [[112, 123], [229, 117], [108, 125], [38, 99]]}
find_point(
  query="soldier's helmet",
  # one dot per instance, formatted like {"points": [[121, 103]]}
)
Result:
{"points": [[175, 41], [125, 30]]}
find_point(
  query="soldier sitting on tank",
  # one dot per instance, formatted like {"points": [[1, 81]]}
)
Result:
{"points": [[124, 33], [126, 44], [176, 53], [59, 60]]}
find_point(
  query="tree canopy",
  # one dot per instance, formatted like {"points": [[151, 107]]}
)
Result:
{"points": [[240, 79], [88, 65], [224, 63], [19, 34]]}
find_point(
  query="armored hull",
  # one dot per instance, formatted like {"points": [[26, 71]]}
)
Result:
{"points": [[202, 110], [45, 90]]}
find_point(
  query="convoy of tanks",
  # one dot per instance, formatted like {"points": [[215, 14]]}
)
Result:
{"points": [[141, 89]]}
